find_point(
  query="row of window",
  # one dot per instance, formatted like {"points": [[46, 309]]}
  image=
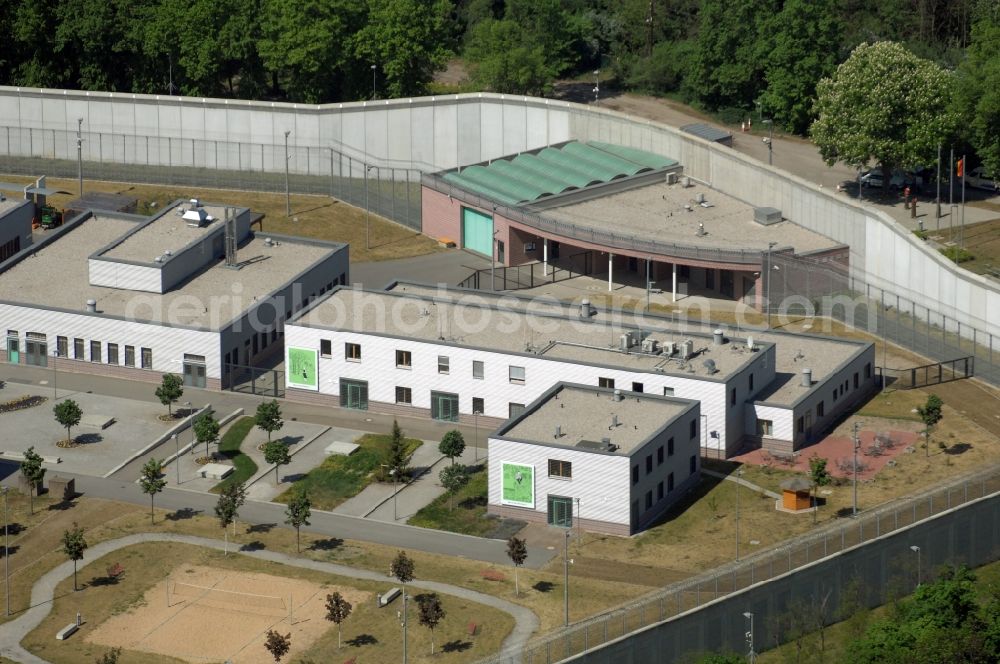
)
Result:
{"points": [[110, 353], [609, 383], [649, 496], [444, 405], [804, 423], [692, 463], [404, 360]]}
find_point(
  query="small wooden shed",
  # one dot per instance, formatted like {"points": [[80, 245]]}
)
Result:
{"points": [[795, 494]]}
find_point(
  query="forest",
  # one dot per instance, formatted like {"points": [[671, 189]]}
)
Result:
{"points": [[730, 59]]}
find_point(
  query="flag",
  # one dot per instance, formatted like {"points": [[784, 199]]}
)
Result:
{"points": [[960, 167]]}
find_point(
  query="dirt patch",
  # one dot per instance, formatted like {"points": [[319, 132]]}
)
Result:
{"points": [[210, 614]]}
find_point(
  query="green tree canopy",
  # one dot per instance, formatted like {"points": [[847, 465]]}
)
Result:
{"points": [[297, 514], [34, 473], [68, 414], [977, 92], [276, 453], [152, 481], [431, 613], [338, 609], [517, 551], [268, 417], [206, 430], [170, 390], [453, 478], [73, 545], [886, 105], [505, 60], [452, 444]]}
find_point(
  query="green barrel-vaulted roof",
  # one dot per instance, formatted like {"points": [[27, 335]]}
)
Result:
{"points": [[528, 177]]}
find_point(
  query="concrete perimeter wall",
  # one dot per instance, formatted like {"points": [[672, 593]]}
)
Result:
{"points": [[442, 132]]}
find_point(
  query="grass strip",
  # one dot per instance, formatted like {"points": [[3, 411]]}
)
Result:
{"points": [[468, 515], [229, 447]]}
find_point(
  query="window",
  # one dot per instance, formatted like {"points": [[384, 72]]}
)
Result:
{"points": [[354, 394], [95, 351], [559, 468], [710, 279], [868, 371], [404, 359], [404, 395], [659, 491], [352, 352], [444, 406], [834, 396], [820, 409], [478, 370], [670, 447], [855, 380], [516, 375], [765, 427], [78, 349], [692, 464], [751, 382], [325, 348], [146, 357], [670, 483], [606, 382], [693, 429], [649, 463], [478, 405], [649, 499], [514, 409], [444, 364], [635, 475], [659, 455], [62, 347], [130, 356], [636, 387], [112, 353], [732, 397], [801, 426], [668, 391]]}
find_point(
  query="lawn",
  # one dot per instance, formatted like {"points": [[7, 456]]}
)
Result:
{"points": [[370, 634], [465, 512], [341, 477], [229, 447], [899, 405], [312, 216]]}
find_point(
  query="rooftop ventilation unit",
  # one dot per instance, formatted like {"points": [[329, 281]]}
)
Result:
{"points": [[751, 346], [614, 422], [586, 311], [701, 229], [766, 215], [650, 345], [672, 177], [687, 182], [559, 432], [718, 337], [669, 348], [699, 198], [687, 349], [807, 378], [230, 239], [608, 445], [710, 366], [92, 306], [196, 217], [618, 395]]}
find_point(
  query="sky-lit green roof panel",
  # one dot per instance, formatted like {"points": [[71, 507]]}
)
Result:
{"points": [[647, 159]]}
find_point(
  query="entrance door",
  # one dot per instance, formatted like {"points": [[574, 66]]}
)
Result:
{"points": [[36, 352], [444, 406], [354, 394], [13, 350], [477, 231], [194, 370], [560, 511]]}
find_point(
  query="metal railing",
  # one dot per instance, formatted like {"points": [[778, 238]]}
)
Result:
{"points": [[690, 594], [528, 275]]}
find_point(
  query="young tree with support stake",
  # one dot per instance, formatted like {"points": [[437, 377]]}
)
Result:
{"points": [[820, 476], [431, 613], [68, 414], [338, 610], [401, 567], [268, 417], [226, 509], [517, 551], [34, 473], [453, 478], [298, 513], [452, 445], [276, 452], [151, 480], [73, 545], [278, 644], [170, 390], [930, 415], [206, 430]]}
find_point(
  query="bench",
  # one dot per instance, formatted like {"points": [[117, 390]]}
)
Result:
{"points": [[473, 628], [215, 471], [492, 575], [17, 456], [100, 422], [64, 633], [115, 571], [387, 598], [338, 448]]}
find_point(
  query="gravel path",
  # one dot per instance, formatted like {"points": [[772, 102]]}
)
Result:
{"points": [[526, 622]]}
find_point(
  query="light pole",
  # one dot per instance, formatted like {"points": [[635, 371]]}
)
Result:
{"points": [[739, 474], [373, 82], [751, 655], [566, 562], [770, 141], [288, 157], [177, 457], [938, 224], [55, 375], [402, 622], [394, 474], [6, 551], [79, 153], [916, 550], [368, 220], [597, 86], [857, 444], [767, 300]]}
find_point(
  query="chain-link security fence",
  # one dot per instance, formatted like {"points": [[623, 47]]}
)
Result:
{"points": [[385, 188]]}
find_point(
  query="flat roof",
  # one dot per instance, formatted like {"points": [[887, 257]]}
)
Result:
{"points": [[9, 204], [56, 275], [586, 415], [165, 232], [706, 131], [671, 213]]}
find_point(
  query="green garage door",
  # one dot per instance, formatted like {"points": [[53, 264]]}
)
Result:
{"points": [[477, 231]]}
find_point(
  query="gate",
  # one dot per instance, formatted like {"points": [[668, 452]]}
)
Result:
{"points": [[254, 380]]}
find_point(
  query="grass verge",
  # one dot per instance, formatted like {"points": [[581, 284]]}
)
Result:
{"points": [[465, 512], [341, 477], [229, 447]]}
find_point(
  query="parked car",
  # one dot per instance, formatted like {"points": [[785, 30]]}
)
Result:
{"points": [[899, 180], [980, 179]]}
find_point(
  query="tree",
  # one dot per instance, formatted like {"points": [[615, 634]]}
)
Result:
{"points": [[402, 567], [453, 478], [930, 415], [68, 414], [395, 454], [722, 658], [73, 545], [883, 104], [170, 390], [206, 430], [431, 613], [151, 480], [820, 476], [33, 473], [268, 417], [977, 92], [517, 551], [110, 657], [277, 644], [276, 452], [452, 444], [298, 513], [338, 610], [227, 509], [504, 60]]}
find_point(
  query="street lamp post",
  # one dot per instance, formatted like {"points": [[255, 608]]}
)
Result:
{"points": [[288, 199], [597, 86], [751, 655], [177, 457], [402, 622], [79, 153], [368, 219], [566, 562], [393, 472], [916, 550], [373, 82], [767, 299], [739, 474], [857, 444], [6, 550], [493, 253], [55, 375], [770, 141], [475, 415]]}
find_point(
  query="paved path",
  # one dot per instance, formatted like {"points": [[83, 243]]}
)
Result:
{"points": [[526, 622], [741, 482]]}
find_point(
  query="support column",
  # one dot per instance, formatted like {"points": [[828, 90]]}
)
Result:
{"points": [[673, 290], [611, 258], [545, 257]]}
